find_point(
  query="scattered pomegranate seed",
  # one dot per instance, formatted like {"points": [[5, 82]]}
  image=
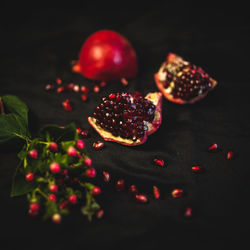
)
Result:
{"points": [[88, 162], [73, 199], [53, 147], [124, 82], [72, 151], [96, 191], [80, 144], [112, 96], [56, 218], [84, 97], [76, 68], [60, 89], [90, 172], [49, 87], [103, 84], [55, 167], [29, 177], [100, 213], [67, 105], [133, 189], [142, 198], [52, 198], [98, 145], [188, 212], [96, 89], [106, 176], [84, 133], [85, 89], [176, 193], [53, 188], [120, 185], [70, 87], [34, 206], [196, 169], [76, 88], [33, 153], [213, 148], [156, 192], [159, 162], [58, 80], [230, 155], [78, 130]]}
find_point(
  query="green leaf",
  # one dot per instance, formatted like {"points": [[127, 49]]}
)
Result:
{"points": [[67, 144], [19, 185]]}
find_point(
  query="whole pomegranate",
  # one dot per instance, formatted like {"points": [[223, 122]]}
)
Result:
{"points": [[182, 82], [107, 56]]}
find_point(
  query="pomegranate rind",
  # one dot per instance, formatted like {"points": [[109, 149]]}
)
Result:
{"points": [[156, 99], [159, 76]]}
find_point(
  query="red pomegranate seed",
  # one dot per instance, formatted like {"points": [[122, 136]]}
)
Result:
{"points": [[176, 193], [84, 133], [133, 189], [196, 169], [213, 148], [230, 155], [188, 212], [70, 87], [78, 130], [124, 82], [67, 105], [90, 172], [49, 87], [106, 176], [98, 145], [156, 192], [76, 88], [120, 185], [84, 97], [96, 89], [96, 191], [103, 84], [141, 198], [159, 162], [84, 89], [100, 213], [58, 80], [60, 89], [112, 96]]}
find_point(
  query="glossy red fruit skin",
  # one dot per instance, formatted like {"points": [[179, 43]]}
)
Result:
{"points": [[96, 191], [73, 199], [53, 147], [107, 56], [34, 206], [29, 177]]}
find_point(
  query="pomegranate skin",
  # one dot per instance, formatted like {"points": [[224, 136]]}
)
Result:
{"points": [[107, 56]]}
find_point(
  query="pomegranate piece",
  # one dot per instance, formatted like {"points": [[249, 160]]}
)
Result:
{"points": [[159, 162], [107, 56], [127, 119], [106, 176], [98, 145], [176, 193], [182, 82]]}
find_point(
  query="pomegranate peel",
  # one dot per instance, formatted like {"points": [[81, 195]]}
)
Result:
{"points": [[154, 99], [174, 75]]}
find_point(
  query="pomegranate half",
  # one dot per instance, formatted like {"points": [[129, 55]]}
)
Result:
{"points": [[127, 119], [107, 56], [182, 82]]}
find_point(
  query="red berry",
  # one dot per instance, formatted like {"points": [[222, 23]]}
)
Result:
{"points": [[60, 89], [96, 191], [120, 185], [159, 162], [53, 188], [213, 148], [80, 144], [67, 105], [56, 218], [96, 89], [98, 145], [99, 213], [88, 162], [196, 169], [33, 153], [53, 147], [59, 80], [85, 89], [106, 176], [72, 151], [176, 193], [84, 97], [133, 189], [91, 172], [78, 130], [55, 167], [76, 88], [52, 198], [73, 199], [230, 155], [156, 192], [34, 206], [29, 177], [142, 198]]}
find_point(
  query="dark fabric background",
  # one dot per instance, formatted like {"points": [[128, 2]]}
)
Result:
{"points": [[37, 47]]}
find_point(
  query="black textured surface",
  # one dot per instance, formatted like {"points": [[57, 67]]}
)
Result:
{"points": [[37, 47]]}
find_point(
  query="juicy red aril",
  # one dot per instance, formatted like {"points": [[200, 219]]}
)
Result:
{"points": [[67, 105], [133, 189], [159, 162], [70, 87], [98, 145], [141, 198], [196, 169], [49, 87], [34, 206], [213, 147], [124, 81], [73, 199], [33, 153], [176, 193], [52, 198], [29, 177], [96, 89], [85, 89], [59, 81], [230, 155], [91, 172], [124, 115], [60, 89], [96, 191], [84, 97], [156, 192], [188, 212], [84, 133], [76, 88], [106, 176], [53, 188], [120, 185], [53, 147]]}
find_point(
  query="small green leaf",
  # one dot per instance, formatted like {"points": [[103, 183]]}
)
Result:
{"points": [[67, 144]]}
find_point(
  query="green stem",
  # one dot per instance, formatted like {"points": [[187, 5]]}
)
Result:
{"points": [[41, 193], [23, 137]]}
